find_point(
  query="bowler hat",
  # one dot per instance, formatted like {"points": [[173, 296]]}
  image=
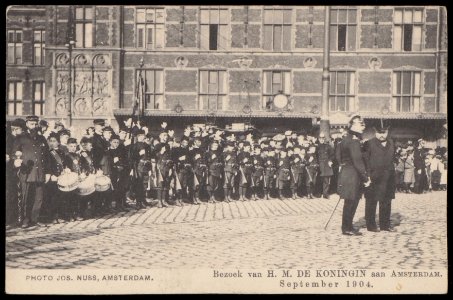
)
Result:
{"points": [[32, 118], [99, 122]]}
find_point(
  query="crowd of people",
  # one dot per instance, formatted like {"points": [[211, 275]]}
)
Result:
{"points": [[54, 177]]}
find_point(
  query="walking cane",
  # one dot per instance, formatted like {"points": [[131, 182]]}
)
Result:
{"points": [[331, 215]]}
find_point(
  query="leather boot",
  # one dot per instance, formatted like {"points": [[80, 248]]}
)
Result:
{"points": [[294, 192]]}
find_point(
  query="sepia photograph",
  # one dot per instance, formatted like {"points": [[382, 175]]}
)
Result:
{"points": [[235, 149]]}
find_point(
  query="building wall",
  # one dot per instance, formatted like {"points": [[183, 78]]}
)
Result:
{"points": [[243, 58]]}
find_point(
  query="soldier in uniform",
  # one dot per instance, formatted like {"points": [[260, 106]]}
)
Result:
{"points": [[197, 155], [12, 171], [283, 171], [56, 199], [99, 143], [270, 173], [325, 160], [246, 170], [34, 170], [297, 171], [72, 161], [258, 172], [231, 169], [140, 165], [214, 162], [164, 169], [184, 171], [311, 169], [353, 173], [118, 175], [87, 168], [379, 157]]}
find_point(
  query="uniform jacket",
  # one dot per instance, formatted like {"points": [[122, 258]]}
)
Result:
{"points": [[35, 156], [214, 164], [353, 171]]}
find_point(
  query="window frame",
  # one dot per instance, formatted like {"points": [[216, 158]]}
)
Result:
{"points": [[226, 43], [146, 25], [84, 21], [15, 101], [41, 46], [347, 94], [222, 95], [272, 94], [41, 102], [152, 94], [15, 45], [401, 25], [273, 25], [412, 95], [336, 23]]}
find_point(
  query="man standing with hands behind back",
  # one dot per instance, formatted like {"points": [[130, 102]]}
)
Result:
{"points": [[353, 175], [379, 155]]}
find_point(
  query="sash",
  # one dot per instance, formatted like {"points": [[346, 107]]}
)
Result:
{"points": [[58, 159]]}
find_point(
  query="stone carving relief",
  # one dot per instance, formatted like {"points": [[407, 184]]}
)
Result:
{"points": [[63, 83], [82, 83], [81, 60], [310, 62], [61, 106], [100, 83], [99, 106], [81, 106], [181, 62], [375, 63], [62, 59]]}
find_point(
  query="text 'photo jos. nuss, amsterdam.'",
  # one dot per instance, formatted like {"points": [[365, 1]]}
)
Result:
{"points": [[226, 149]]}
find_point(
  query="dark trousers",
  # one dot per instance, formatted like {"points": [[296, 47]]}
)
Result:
{"points": [[56, 200], [11, 198], [33, 193], [325, 185], [420, 181], [385, 206], [349, 209]]}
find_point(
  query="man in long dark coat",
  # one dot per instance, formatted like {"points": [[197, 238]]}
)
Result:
{"points": [[379, 156], [325, 160], [353, 173], [34, 170]]}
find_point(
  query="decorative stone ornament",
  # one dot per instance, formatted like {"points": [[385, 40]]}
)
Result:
{"points": [[178, 108], [375, 63], [310, 62], [247, 109], [181, 62], [244, 62]]}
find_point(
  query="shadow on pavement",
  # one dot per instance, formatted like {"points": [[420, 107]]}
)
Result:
{"points": [[395, 220], [31, 243]]}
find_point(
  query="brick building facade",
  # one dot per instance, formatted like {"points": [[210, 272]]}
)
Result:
{"points": [[226, 64]]}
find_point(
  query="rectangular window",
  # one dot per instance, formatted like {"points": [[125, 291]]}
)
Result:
{"points": [[84, 26], [15, 47], [275, 82], [342, 90], [212, 92], [406, 91], [343, 25], [153, 89], [213, 28], [277, 29], [39, 94], [14, 98], [150, 28], [38, 47], [407, 29]]}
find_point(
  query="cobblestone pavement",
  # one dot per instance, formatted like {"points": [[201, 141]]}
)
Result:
{"points": [[253, 234]]}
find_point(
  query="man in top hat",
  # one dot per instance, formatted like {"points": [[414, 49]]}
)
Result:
{"points": [[379, 162], [420, 168], [353, 175], [325, 160], [33, 151]]}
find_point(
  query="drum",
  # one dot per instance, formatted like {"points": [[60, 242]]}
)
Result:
{"points": [[86, 187], [68, 182], [102, 183]]}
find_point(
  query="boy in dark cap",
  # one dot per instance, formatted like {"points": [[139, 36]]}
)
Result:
{"points": [[72, 162]]}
